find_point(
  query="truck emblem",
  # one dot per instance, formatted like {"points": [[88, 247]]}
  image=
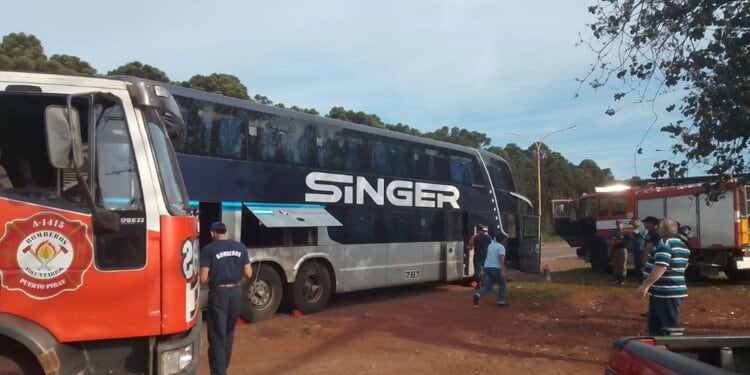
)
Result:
{"points": [[44, 255]]}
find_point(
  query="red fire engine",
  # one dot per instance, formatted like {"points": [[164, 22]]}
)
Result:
{"points": [[98, 257], [718, 230]]}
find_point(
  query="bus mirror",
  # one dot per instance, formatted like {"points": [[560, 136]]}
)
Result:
{"points": [[63, 137]]}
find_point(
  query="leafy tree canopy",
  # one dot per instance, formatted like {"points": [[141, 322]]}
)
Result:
{"points": [[22, 52], [138, 69], [219, 83], [696, 49], [460, 136], [71, 65]]}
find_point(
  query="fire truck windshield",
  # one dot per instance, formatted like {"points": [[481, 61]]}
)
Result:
{"points": [[169, 172]]}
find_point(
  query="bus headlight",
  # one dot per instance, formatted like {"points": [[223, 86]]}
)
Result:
{"points": [[174, 361]]}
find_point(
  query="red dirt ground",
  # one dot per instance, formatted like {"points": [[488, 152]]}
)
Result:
{"points": [[562, 327]]}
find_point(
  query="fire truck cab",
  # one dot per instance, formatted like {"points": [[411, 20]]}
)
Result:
{"points": [[716, 231], [98, 257]]}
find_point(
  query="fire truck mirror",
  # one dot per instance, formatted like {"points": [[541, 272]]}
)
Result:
{"points": [[63, 137]]}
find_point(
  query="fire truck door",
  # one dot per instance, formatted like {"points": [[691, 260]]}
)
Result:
{"points": [[529, 251]]}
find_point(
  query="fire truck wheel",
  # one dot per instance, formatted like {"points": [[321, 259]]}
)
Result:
{"points": [[736, 275], [263, 293], [598, 257], [15, 359], [312, 288]]}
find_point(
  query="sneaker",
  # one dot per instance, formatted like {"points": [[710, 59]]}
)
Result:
{"points": [[475, 300], [502, 304]]}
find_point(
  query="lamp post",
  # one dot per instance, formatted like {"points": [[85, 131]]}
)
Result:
{"points": [[538, 145]]}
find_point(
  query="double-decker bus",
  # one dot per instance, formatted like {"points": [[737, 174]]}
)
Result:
{"points": [[329, 206]]}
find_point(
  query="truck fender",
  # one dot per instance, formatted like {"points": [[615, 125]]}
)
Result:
{"points": [[54, 358]]}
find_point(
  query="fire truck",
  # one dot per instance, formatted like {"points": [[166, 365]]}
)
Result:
{"points": [[98, 248], [716, 231]]}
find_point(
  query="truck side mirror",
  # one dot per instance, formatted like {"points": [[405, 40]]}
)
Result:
{"points": [[63, 131]]}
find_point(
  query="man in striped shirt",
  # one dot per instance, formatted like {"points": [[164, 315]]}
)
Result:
{"points": [[664, 282]]}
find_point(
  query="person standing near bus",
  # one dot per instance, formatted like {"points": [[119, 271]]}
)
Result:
{"points": [[223, 264], [480, 241], [638, 246], [618, 243], [665, 284], [494, 271]]}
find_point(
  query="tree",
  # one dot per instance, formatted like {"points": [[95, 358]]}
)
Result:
{"points": [[21, 52], [138, 69], [460, 136], [356, 117], [219, 83], [694, 49], [66, 64]]}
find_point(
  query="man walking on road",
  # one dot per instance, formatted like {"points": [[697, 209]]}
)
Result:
{"points": [[480, 242], [665, 283], [494, 271], [223, 264]]}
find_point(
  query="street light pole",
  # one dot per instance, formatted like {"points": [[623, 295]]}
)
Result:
{"points": [[538, 145]]}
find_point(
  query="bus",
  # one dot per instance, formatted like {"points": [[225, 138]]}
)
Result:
{"points": [[98, 257], [327, 206]]}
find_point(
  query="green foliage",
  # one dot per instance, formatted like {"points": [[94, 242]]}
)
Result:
{"points": [[460, 136], [699, 48], [138, 69], [71, 65], [360, 117], [219, 83], [21, 52]]}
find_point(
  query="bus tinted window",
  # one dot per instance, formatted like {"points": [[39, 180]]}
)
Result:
{"points": [[465, 170], [213, 129], [390, 157], [431, 164], [500, 174]]}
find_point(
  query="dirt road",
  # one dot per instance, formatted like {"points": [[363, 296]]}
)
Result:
{"points": [[561, 327]]}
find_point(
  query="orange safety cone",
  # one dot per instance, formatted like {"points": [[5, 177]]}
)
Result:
{"points": [[474, 284], [296, 313]]}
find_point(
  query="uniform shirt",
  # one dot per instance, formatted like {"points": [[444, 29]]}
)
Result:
{"points": [[494, 251], [672, 253], [638, 242], [226, 260], [480, 244]]}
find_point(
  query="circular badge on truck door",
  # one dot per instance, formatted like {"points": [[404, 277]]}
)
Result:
{"points": [[44, 255]]}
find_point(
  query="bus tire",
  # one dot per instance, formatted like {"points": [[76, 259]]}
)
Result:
{"points": [[736, 275], [263, 293], [311, 288], [15, 359]]}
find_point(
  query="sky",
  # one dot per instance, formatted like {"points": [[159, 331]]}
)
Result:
{"points": [[496, 67]]}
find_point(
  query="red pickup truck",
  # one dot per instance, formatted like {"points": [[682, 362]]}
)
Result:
{"points": [[677, 354]]}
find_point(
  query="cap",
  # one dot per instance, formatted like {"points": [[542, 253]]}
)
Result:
{"points": [[651, 219], [479, 227], [618, 222], [218, 226], [485, 229]]}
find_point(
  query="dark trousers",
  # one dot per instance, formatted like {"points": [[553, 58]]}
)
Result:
{"points": [[493, 276], [663, 313], [479, 268], [638, 261], [224, 306]]}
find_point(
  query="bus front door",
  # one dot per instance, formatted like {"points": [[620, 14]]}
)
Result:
{"points": [[529, 249]]}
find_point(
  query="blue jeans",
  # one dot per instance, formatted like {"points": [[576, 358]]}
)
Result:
{"points": [[478, 268], [224, 306], [663, 313], [492, 276]]}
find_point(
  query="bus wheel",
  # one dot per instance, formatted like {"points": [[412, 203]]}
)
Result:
{"points": [[17, 360], [736, 275], [312, 288], [263, 294]]}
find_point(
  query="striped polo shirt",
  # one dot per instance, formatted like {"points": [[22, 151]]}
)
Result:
{"points": [[672, 253]]}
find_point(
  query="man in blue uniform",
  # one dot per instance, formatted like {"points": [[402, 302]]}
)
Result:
{"points": [[223, 264]]}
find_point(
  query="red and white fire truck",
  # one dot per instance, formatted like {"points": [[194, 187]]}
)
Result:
{"points": [[98, 257], [718, 230]]}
